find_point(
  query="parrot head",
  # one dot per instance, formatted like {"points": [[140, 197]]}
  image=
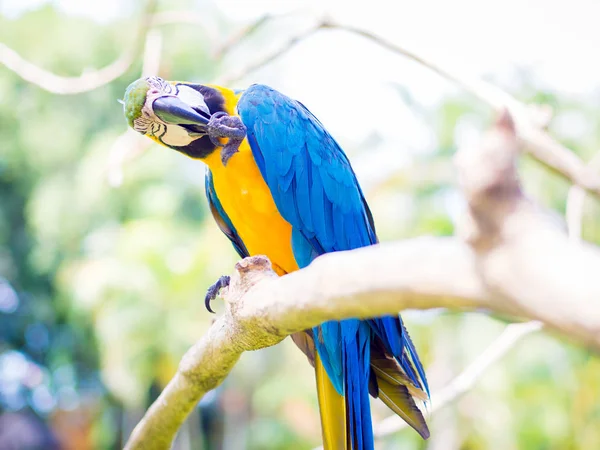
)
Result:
{"points": [[175, 115]]}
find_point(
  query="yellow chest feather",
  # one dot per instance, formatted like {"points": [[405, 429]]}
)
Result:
{"points": [[247, 200]]}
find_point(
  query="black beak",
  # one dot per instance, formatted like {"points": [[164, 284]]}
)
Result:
{"points": [[173, 111]]}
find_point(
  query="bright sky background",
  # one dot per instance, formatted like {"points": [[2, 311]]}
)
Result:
{"points": [[558, 38]]}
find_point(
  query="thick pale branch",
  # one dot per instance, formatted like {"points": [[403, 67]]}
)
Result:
{"points": [[522, 255], [422, 273], [263, 309], [202, 368]]}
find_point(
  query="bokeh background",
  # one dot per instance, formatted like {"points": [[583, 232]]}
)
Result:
{"points": [[107, 246]]}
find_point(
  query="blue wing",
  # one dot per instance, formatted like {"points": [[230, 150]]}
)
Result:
{"points": [[316, 191], [307, 172], [222, 219]]}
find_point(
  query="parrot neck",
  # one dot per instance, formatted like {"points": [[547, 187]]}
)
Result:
{"points": [[213, 159], [230, 98]]}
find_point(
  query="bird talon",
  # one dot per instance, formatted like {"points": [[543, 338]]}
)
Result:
{"points": [[213, 291], [222, 125]]}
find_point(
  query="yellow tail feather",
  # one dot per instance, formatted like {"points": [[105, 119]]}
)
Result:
{"points": [[332, 407]]}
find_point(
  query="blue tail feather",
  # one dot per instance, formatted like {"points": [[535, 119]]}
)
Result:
{"points": [[415, 357], [357, 356], [328, 341]]}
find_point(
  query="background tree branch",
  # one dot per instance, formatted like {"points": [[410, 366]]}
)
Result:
{"points": [[530, 123], [87, 81], [514, 259]]}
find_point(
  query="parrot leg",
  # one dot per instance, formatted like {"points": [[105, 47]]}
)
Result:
{"points": [[213, 291], [222, 125]]}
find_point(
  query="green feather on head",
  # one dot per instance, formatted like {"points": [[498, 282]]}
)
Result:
{"points": [[135, 97]]}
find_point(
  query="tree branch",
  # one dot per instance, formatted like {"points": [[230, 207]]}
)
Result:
{"points": [[242, 34], [513, 261], [305, 299], [540, 145], [285, 47], [87, 81]]}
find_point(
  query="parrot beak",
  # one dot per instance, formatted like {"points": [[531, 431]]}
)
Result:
{"points": [[172, 110]]}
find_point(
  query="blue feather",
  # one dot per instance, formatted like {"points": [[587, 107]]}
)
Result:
{"points": [[316, 191], [392, 333], [286, 180], [328, 342], [415, 357], [357, 341]]}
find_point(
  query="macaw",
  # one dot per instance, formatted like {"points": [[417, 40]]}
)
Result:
{"points": [[278, 184]]}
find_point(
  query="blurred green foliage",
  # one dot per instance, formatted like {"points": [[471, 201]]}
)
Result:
{"points": [[101, 286]]}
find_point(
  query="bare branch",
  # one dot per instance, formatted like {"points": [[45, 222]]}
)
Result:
{"points": [[306, 298], [177, 17], [242, 34], [246, 31], [424, 273], [285, 47], [87, 81], [187, 17], [539, 144], [529, 122], [460, 385]]}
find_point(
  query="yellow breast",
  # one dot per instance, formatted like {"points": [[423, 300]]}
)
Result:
{"points": [[247, 200]]}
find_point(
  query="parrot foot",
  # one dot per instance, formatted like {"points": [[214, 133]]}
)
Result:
{"points": [[213, 291], [222, 125]]}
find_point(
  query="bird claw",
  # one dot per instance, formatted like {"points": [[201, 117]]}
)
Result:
{"points": [[222, 125], [213, 291]]}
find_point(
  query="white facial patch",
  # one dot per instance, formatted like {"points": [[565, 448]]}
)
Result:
{"points": [[177, 136], [192, 97]]}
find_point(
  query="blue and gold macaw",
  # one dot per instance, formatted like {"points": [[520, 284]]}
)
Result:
{"points": [[278, 184]]}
